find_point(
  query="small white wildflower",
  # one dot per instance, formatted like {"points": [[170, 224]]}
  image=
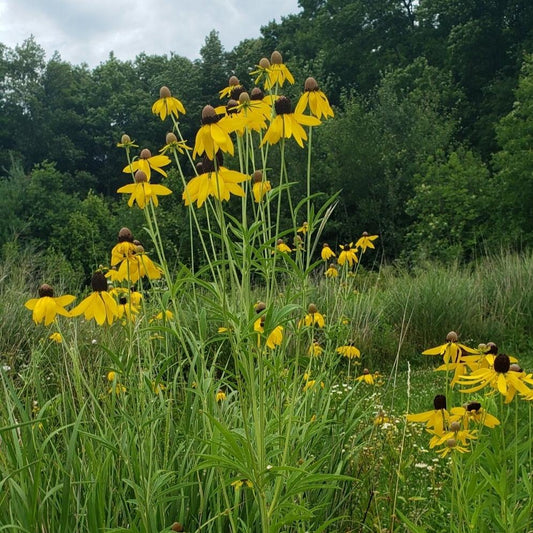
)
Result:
{"points": [[94, 341], [6, 368], [421, 465]]}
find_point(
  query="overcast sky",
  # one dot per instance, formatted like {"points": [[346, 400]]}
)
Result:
{"points": [[85, 31]]}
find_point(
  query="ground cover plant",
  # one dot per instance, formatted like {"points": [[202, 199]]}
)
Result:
{"points": [[242, 391]]}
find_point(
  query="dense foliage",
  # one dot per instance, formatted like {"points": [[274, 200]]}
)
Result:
{"points": [[430, 144]]}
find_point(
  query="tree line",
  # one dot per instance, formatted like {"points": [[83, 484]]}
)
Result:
{"points": [[431, 144]]}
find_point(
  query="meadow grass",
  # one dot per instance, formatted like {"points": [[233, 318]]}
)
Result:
{"points": [[248, 391]]}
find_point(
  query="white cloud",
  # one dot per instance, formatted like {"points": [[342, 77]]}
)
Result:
{"points": [[88, 30]]}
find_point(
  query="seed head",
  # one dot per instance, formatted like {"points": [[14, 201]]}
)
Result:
{"points": [[502, 363], [209, 115], [176, 526], [439, 402], [264, 62], [259, 306], [244, 97], [233, 81], [276, 58], [99, 282], [46, 290], [473, 406], [366, 371], [493, 349], [455, 426], [257, 176], [282, 105], [452, 337], [231, 106], [122, 300], [451, 443], [257, 94], [125, 139], [145, 153], [310, 85], [140, 177], [125, 235], [312, 309], [164, 92], [171, 138]]}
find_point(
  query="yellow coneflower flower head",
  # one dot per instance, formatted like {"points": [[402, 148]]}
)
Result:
{"points": [[233, 90], [281, 246], [220, 396], [260, 186], [347, 255], [147, 162], [46, 307], [143, 192], [349, 351], [172, 143], [365, 241], [437, 419], [451, 351], [213, 135], [313, 317], [167, 105], [288, 124], [126, 142], [99, 305], [332, 271], [315, 99], [275, 338], [315, 349], [56, 337], [327, 253], [216, 181], [277, 73], [124, 247]]}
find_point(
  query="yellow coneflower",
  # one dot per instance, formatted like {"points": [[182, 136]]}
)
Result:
{"points": [[327, 253], [347, 255], [260, 186], [275, 338], [349, 351], [315, 99], [313, 317], [56, 337], [451, 351], [437, 419], [213, 135], [331, 272], [143, 192], [220, 396], [47, 307], [281, 246], [288, 124], [99, 305], [365, 241], [167, 105], [147, 162]]}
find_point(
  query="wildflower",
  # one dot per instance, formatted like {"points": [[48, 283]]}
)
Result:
{"points": [[454, 432], [213, 135], [126, 142], [367, 377], [135, 298], [253, 112], [310, 384], [452, 351], [451, 445], [262, 71], [327, 253], [275, 338], [500, 377], [233, 89], [381, 419], [315, 99], [46, 307], [365, 241], [111, 375], [349, 351], [313, 317], [163, 315], [127, 309], [124, 247], [56, 337], [172, 143], [117, 388], [348, 255], [142, 191], [260, 186], [167, 105], [157, 387], [277, 73], [220, 396], [287, 124], [218, 182], [473, 412], [436, 419], [99, 305], [282, 247], [331, 272], [303, 229], [315, 349], [239, 483], [146, 162]]}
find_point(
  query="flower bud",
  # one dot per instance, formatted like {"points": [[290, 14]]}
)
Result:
{"points": [[125, 139]]}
